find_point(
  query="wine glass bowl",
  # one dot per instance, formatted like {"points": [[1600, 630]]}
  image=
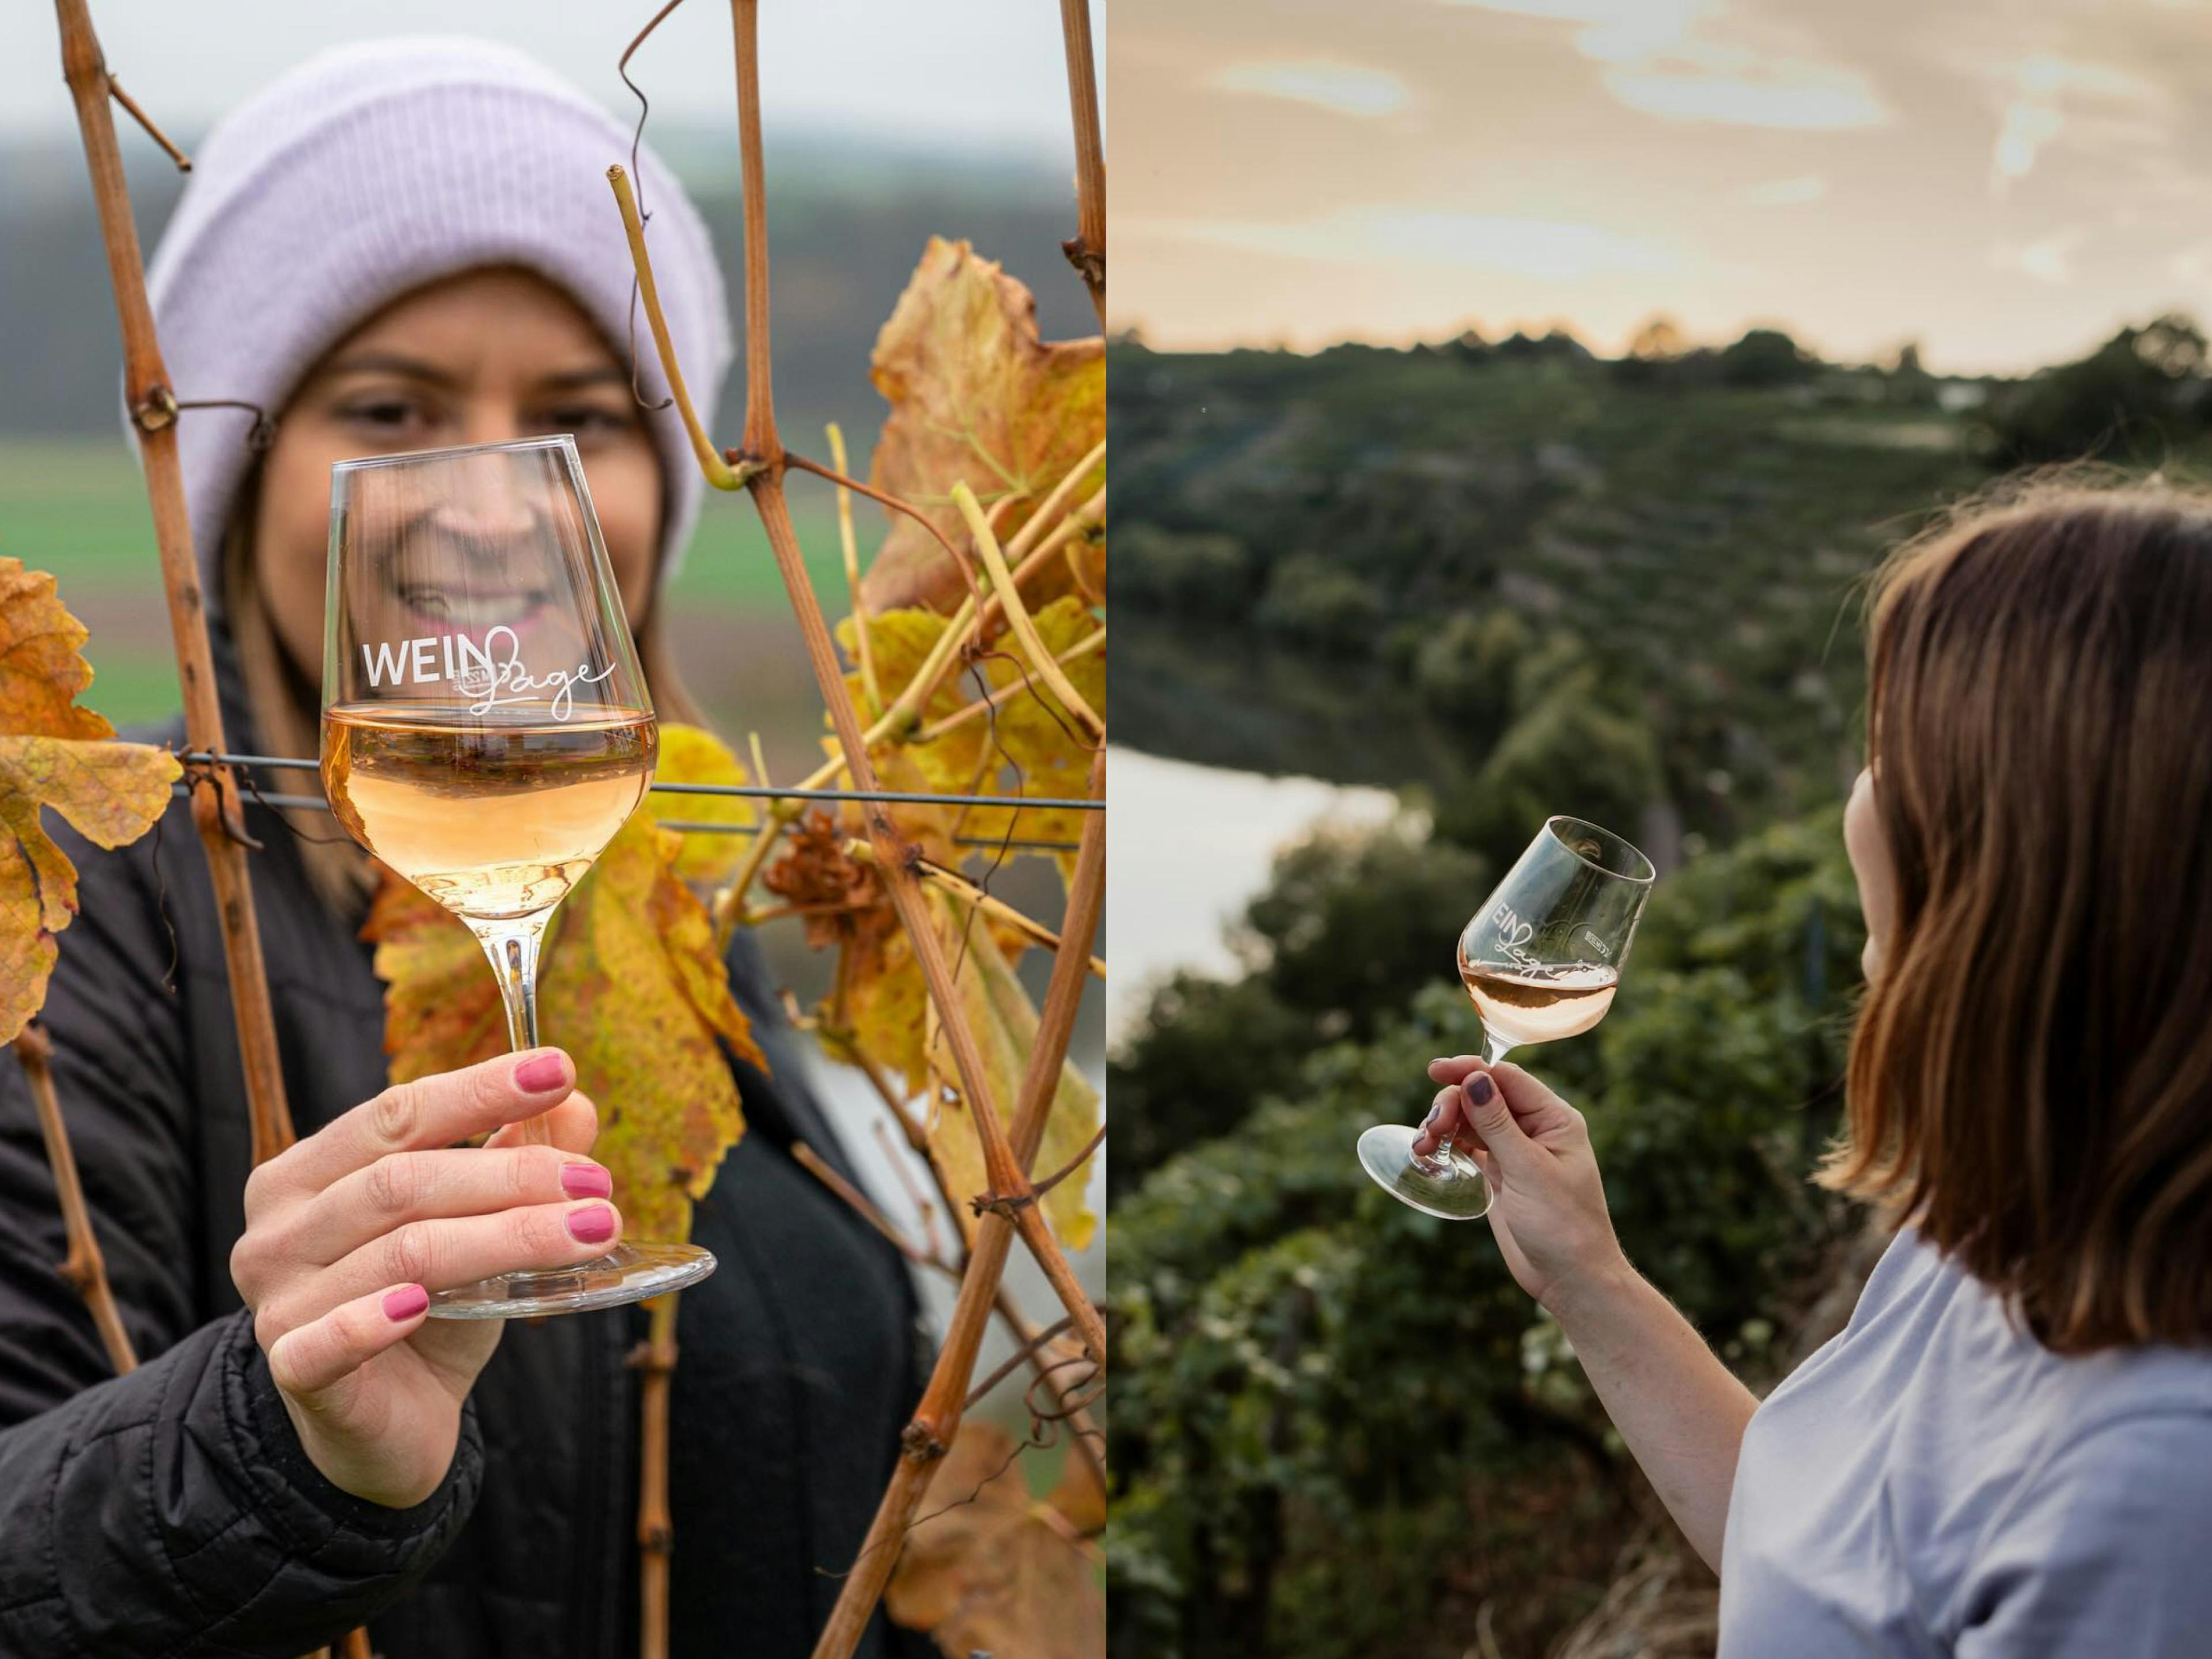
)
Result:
{"points": [[1540, 961], [486, 732]]}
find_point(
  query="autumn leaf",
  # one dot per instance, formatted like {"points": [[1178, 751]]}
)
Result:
{"points": [[888, 1015], [1005, 1024], [55, 754], [632, 987], [441, 1008], [1027, 745], [1035, 740], [688, 755], [989, 1568], [975, 396], [879, 1005], [638, 1002], [841, 898]]}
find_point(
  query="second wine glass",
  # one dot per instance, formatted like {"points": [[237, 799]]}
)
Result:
{"points": [[486, 731], [1541, 960]]}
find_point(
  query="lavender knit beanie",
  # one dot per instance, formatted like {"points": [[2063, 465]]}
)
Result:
{"points": [[373, 169]]}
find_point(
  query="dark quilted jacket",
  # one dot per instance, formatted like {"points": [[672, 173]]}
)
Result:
{"points": [[171, 1511]]}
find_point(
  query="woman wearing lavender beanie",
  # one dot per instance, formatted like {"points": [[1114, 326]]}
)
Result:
{"points": [[403, 247]]}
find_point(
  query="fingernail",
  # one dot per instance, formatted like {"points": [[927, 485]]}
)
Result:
{"points": [[1431, 1117], [592, 1225], [1480, 1088], [542, 1074], [404, 1304], [586, 1180]]}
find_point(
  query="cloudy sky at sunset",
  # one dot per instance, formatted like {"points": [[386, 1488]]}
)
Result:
{"points": [[2005, 182]]}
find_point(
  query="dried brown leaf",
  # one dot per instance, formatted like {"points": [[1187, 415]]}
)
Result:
{"points": [[990, 1569], [976, 397]]}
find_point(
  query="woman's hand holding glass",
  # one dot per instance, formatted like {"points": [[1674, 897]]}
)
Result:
{"points": [[347, 1231], [1547, 1200]]}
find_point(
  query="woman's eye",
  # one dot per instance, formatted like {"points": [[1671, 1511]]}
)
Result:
{"points": [[588, 419], [384, 414]]}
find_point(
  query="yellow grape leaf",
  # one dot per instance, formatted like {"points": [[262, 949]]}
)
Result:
{"points": [[632, 987], [886, 1003], [53, 753], [888, 1011], [639, 992], [688, 755], [441, 1008], [975, 396], [899, 643], [1086, 565], [1004, 1022], [1028, 745], [989, 1568], [1038, 741]]}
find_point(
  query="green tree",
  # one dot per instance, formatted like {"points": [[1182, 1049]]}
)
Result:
{"points": [[1312, 1381], [1765, 357]]}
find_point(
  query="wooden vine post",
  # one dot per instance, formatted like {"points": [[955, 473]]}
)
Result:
{"points": [[83, 1268], [215, 802], [1087, 252], [153, 405]]}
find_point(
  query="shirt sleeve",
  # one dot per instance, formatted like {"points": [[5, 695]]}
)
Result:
{"points": [[2108, 1551]]}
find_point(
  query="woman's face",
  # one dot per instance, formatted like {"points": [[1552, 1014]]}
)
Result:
{"points": [[1877, 876], [479, 358]]}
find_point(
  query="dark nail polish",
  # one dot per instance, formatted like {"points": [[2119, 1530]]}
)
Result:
{"points": [[1431, 1117], [1480, 1088]]}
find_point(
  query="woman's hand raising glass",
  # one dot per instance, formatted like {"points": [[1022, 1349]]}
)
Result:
{"points": [[349, 1233]]}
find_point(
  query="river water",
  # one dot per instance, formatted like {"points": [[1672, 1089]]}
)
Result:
{"points": [[1187, 848]]}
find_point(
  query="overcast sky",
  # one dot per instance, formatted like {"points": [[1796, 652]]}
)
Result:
{"points": [[958, 71], [2007, 180]]}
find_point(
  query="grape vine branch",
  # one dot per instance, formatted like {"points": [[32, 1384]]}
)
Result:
{"points": [[757, 466], [993, 578]]}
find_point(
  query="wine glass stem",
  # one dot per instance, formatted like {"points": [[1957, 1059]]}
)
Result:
{"points": [[513, 945], [1494, 1048]]}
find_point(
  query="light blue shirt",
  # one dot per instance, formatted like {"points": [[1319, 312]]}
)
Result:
{"points": [[1935, 1482]]}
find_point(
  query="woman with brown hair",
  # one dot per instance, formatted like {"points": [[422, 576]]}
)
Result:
{"points": [[2008, 1449]]}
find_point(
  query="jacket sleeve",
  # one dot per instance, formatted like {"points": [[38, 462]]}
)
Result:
{"points": [[170, 1511]]}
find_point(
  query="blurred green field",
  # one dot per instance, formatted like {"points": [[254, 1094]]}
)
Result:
{"points": [[76, 508]]}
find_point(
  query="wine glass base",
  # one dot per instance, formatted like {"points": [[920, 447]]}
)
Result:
{"points": [[1455, 1188], [629, 1273]]}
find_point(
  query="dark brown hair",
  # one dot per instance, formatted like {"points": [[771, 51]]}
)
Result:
{"points": [[2031, 1075]]}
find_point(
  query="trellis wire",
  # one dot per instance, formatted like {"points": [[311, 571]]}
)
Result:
{"points": [[742, 791], [691, 826]]}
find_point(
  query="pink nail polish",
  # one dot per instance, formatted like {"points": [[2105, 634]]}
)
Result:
{"points": [[586, 1180], [592, 1225], [542, 1074], [404, 1304]]}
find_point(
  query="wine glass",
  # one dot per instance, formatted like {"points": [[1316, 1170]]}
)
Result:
{"points": [[486, 731], [1541, 960]]}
